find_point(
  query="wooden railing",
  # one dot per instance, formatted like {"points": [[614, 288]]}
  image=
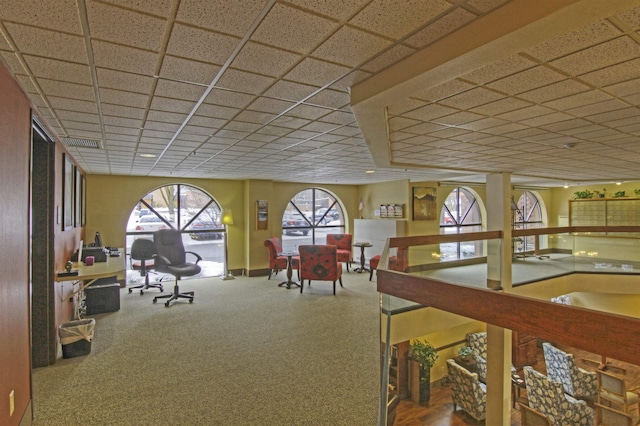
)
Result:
{"points": [[610, 335]]}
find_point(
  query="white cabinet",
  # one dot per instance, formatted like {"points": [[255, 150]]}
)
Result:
{"points": [[376, 232]]}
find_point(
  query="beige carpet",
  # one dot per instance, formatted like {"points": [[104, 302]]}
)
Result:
{"points": [[246, 352]]}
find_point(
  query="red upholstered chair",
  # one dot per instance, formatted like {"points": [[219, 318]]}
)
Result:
{"points": [[343, 243], [320, 263], [396, 263], [279, 263]]}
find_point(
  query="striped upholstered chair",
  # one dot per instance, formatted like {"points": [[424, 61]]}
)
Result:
{"points": [[319, 263], [344, 244]]}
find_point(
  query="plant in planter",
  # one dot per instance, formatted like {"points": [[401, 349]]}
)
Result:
{"points": [[465, 352], [619, 194], [583, 194], [637, 192], [425, 355]]}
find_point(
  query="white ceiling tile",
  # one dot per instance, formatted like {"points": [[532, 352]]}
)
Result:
{"points": [[442, 26], [619, 50], [125, 27], [196, 43], [47, 43], [401, 16], [292, 29], [350, 47]]}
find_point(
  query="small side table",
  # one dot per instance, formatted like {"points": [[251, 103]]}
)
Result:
{"points": [[517, 385], [289, 282], [362, 247]]}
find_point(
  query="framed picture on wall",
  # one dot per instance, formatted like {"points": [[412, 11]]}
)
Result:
{"points": [[77, 198], [262, 211], [424, 203], [83, 192], [67, 192]]}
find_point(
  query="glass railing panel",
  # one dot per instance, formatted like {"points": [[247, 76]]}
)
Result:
{"points": [[607, 253]]}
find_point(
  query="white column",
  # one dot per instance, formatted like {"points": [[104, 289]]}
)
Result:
{"points": [[499, 277]]}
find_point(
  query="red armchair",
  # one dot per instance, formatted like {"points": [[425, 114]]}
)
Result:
{"points": [[343, 243], [319, 262], [279, 263], [396, 263]]}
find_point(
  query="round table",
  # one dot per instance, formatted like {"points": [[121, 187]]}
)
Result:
{"points": [[289, 282], [362, 246]]}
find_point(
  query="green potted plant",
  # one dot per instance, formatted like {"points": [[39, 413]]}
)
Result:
{"points": [[465, 352], [582, 194], [425, 355]]}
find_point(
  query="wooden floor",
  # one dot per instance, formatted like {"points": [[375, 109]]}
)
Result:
{"points": [[439, 410]]}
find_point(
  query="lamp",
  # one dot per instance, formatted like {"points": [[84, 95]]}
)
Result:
{"points": [[227, 219]]}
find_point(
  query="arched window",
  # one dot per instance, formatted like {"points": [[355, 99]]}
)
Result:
{"points": [[310, 216], [527, 215], [460, 213], [189, 210]]}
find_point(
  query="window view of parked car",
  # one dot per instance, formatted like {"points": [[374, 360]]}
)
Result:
{"points": [[294, 220], [330, 216], [151, 223], [199, 226]]}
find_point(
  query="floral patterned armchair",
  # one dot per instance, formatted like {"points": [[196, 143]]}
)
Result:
{"points": [[561, 367], [478, 342], [319, 262], [343, 242], [467, 391], [278, 263], [548, 397]]}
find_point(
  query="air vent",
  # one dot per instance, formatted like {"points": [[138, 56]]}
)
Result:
{"points": [[82, 143]]}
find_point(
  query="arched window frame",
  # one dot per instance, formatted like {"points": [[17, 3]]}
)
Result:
{"points": [[454, 219], [312, 212], [527, 215]]}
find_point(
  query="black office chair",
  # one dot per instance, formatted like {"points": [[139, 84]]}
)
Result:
{"points": [[171, 258], [142, 251]]}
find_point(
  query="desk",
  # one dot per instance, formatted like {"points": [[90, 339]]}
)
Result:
{"points": [[87, 275], [362, 247], [289, 282]]}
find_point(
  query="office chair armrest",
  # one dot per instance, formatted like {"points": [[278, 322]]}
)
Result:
{"points": [[196, 255]]}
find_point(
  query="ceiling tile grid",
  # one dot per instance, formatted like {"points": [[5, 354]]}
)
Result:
{"points": [[249, 85]]}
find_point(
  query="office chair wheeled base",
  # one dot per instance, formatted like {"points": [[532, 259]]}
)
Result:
{"points": [[175, 295], [146, 286]]}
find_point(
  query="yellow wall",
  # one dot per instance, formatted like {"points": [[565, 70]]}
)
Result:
{"points": [[110, 200]]}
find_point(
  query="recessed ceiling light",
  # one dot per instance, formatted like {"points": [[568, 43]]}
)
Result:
{"points": [[618, 183], [148, 155], [370, 171]]}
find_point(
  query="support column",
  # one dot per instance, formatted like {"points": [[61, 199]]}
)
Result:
{"points": [[499, 278]]}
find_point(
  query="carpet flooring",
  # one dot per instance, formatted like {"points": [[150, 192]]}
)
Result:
{"points": [[246, 352]]}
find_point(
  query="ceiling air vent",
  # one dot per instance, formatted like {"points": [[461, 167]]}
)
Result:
{"points": [[82, 143]]}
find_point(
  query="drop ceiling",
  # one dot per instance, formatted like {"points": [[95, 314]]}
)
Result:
{"points": [[323, 91]]}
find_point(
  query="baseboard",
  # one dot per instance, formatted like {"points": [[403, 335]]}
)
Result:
{"points": [[264, 272]]}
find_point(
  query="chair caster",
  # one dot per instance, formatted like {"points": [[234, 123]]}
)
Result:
{"points": [[155, 300], [130, 290], [190, 300], [166, 304], [141, 292]]}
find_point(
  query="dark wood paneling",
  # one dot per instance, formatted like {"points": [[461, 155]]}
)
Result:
{"points": [[15, 143]]}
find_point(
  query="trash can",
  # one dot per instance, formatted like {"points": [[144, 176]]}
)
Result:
{"points": [[75, 337]]}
